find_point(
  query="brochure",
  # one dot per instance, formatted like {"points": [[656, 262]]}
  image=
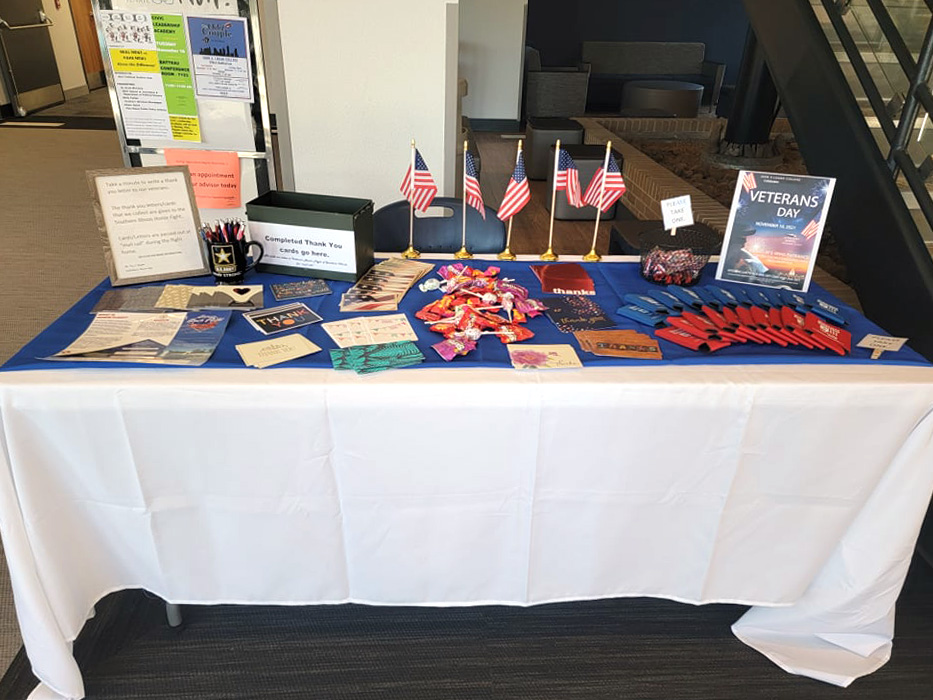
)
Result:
{"points": [[159, 338], [774, 229]]}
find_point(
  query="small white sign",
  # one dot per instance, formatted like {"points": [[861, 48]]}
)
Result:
{"points": [[881, 343], [305, 247], [677, 212]]}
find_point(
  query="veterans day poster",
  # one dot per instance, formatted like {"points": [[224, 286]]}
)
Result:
{"points": [[774, 229]]}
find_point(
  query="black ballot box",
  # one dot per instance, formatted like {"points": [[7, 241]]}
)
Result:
{"points": [[541, 133], [588, 159]]}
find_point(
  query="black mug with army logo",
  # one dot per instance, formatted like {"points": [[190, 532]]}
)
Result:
{"points": [[228, 260]]}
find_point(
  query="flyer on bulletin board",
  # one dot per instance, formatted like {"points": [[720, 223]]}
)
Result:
{"points": [[215, 176], [774, 229], [152, 76], [220, 52], [176, 76]]}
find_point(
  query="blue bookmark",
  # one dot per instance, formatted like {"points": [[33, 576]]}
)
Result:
{"points": [[688, 296], [830, 312], [709, 299], [726, 297], [673, 304], [774, 296], [743, 297], [646, 318], [647, 303], [759, 298], [795, 300]]}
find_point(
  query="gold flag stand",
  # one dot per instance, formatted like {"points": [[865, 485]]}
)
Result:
{"points": [[507, 253], [463, 253], [593, 256], [549, 255], [410, 251]]}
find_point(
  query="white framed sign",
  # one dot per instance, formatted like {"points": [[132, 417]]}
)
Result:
{"points": [[287, 245], [148, 221]]}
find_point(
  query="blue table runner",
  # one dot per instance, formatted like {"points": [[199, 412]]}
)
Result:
{"points": [[612, 281]]}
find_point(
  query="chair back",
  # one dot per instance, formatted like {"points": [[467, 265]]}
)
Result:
{"points": [[644, 57], [437, 234]]}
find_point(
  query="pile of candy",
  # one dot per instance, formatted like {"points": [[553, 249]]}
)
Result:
{"points": [[471, 307], [666, 266]]}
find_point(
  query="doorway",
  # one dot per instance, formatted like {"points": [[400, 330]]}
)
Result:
{"points": [[88, 45], [27, 60]]}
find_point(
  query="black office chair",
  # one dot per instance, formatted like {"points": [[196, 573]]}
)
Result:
{"points": [[437, 234]]}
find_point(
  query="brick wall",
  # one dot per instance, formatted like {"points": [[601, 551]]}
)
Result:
{"points": [[700, 128], [647, 182]]}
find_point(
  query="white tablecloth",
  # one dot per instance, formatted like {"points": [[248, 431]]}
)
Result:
{"points": [[797, 489]]}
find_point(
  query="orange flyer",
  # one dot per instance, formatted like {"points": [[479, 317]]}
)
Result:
{"points": [[215, 176]]}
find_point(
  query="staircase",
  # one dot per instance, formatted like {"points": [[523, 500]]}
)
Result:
{"points": [[853, 78], [910, 19]]}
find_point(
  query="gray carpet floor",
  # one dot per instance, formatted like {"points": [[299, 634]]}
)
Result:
{"points": [[628, 649], [52, 253], [52, 249], [95, 104]]}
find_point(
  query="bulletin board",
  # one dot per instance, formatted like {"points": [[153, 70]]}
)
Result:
{"points": [[186, 76]]}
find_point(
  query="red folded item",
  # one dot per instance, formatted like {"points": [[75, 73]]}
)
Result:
{"points": [[763, 323], [687, 340], [777, 325], [746, 328], [686, 326], [719, 320], [700, 322], [793, 322], [728, 331], [835, 338]]}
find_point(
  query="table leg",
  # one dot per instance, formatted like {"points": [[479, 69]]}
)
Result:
{"points": [[173, 614]]}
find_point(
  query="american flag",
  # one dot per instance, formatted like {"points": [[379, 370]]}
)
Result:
{"points": [[471, 191], [568, 178], [809, 231], [422, 194], [748, 182], [517, 194], [615, 186]]}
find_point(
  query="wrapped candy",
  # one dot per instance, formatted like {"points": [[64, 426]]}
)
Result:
{"points": [[449, 348], [681, 266], [477, 303]]}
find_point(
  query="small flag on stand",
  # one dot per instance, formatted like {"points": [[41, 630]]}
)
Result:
{"points": [[748, 181], [471, 191], [517, 194], [613, 189], [421, 190], [568, 178]]}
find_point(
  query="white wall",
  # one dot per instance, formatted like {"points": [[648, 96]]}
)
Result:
{"points": [[363, 78], [275, 87], [492, 38], [65, 45]]}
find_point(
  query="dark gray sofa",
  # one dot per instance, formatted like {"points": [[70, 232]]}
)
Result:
{"points": [[613, 63], [553, 91]]}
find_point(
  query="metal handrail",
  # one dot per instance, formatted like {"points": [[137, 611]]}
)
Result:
{"points": [[46, 22], [925, 96], [861, 70], [921, 76], [912, 175], [893, 36], [918, 73]]}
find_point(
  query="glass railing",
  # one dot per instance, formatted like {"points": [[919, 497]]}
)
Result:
{"points": [[885, 49]]}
